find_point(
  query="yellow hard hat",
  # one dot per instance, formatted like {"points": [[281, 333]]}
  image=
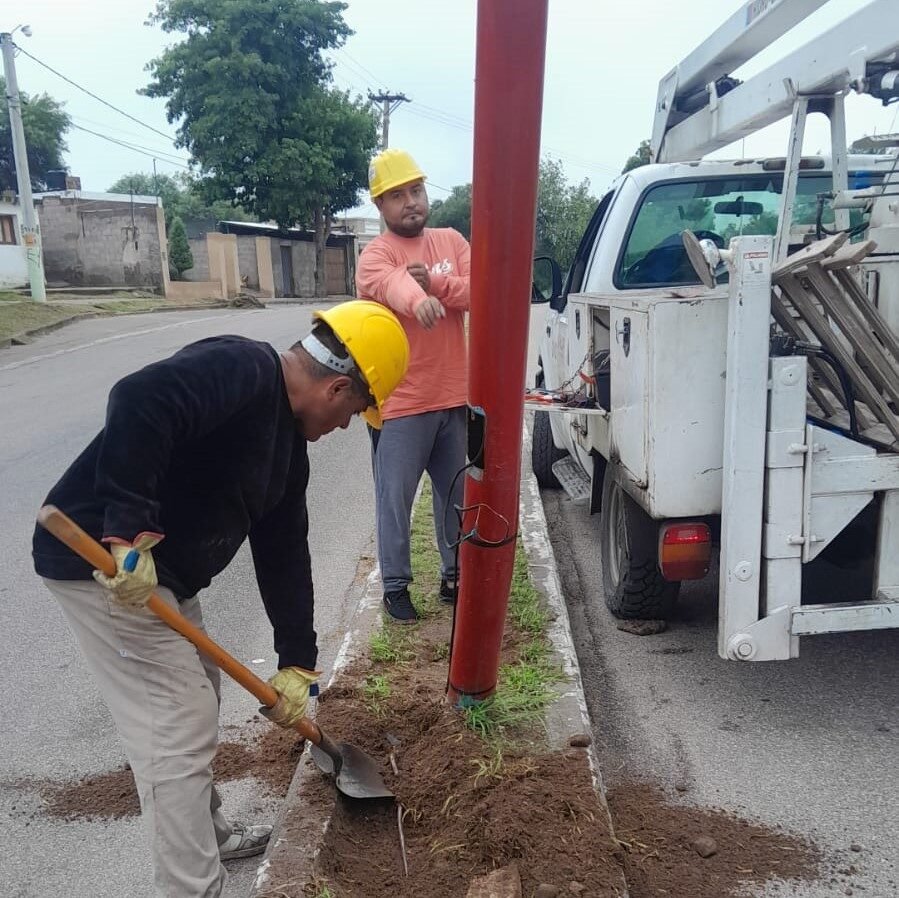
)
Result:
{"points": [[390, 169], [378, 344]]}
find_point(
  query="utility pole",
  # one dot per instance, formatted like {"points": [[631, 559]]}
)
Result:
{"points": [[389, 103], [511, 37], [30, 231]]}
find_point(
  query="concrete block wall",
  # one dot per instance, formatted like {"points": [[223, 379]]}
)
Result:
{"points": [[90, 243], [246, 260], [200, 251], [304, 268]]}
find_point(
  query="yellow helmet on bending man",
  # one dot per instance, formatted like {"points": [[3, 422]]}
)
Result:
{"points": [[377, 343]]}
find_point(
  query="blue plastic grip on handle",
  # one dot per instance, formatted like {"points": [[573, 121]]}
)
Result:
{"points": [[130, 562]]}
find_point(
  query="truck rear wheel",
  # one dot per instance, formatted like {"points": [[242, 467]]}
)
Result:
{"points": [[544, 453], [633, 583]]}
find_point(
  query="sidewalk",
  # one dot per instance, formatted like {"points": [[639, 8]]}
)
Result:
{"points": [[522, 798]]}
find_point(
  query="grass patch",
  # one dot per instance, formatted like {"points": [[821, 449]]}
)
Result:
{"points": [[524, 689], [392, 645], [19, 314], [18, 317], [425, 556], [376, 690], [525, 684]]}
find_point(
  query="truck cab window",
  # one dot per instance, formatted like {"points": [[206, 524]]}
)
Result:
{"points": [[576, 276], [717, 209]]}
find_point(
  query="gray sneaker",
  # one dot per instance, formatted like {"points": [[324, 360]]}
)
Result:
{"points": [[245, 841]]}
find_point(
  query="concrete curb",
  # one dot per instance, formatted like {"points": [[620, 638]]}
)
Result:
{"points": [[25, 336], [305, 816]]}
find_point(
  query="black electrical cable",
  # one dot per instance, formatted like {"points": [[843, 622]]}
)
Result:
{"points": [[842, 376], [821, 231]]}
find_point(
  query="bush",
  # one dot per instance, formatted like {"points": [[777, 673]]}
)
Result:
{"points": [[180, 256]]}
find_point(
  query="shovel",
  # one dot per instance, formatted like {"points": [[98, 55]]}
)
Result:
{"points": [[356, 773]]}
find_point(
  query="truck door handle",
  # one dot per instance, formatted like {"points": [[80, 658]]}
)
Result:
{"points": [[623, 335]]}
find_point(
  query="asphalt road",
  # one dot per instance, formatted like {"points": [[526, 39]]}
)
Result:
{"points": [[55, 727], [810, 744]]}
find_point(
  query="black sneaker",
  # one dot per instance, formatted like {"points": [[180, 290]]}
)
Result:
{"points": [[448, 592], [399, 607]]}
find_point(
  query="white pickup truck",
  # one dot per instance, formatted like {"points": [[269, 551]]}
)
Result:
{"points": [[640, 404]]}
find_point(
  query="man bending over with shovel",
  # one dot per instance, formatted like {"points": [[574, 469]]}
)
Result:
{"points": [[199, 452]]}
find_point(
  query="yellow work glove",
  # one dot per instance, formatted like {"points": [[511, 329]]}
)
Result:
{"points": [[292, 685], [132, 589]]}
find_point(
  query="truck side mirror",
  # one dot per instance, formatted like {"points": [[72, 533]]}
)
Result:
{"points": [[546, 285]]}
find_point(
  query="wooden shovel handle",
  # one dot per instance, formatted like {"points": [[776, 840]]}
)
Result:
{"points": [[67, 531]]}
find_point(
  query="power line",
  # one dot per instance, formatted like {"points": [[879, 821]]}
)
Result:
{"points": [[452, 121], [367, 72], [91, 94], [80, 120], [145, 151]]}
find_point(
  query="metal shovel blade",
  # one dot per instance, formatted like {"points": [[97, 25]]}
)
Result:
{"points": [[359, 776]]}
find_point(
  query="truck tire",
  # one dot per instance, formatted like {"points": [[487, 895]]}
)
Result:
{"points": [[544, 453], [632, 581]]}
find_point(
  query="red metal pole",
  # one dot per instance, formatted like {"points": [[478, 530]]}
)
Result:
{"points": [[511, 47]]}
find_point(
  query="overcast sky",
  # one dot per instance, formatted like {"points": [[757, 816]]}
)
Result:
{"points": [[604, 61]]}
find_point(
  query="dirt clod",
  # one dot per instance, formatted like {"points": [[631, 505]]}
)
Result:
{"points": [[705, 846], [642, 627], [503, 883], [580, 740]]}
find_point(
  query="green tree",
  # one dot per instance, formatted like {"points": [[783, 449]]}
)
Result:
{"points": [[181, 196], [45, 125], [641, 157], [454, 211], [180, 256], [563, 212], [250, 90]]}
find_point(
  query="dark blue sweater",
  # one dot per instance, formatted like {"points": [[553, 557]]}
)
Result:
{"points": [[203, 448]]}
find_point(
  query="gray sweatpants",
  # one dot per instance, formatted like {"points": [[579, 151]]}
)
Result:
{"points": [[401, 452], [164, 698]]}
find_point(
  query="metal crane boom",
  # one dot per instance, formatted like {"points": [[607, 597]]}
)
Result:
{"points": [[860, 53]]}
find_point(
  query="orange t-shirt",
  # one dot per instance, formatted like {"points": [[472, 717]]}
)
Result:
{"points": [[438, 363]]}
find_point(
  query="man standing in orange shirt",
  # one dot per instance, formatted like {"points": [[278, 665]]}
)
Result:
{"points": [[423, 275]]}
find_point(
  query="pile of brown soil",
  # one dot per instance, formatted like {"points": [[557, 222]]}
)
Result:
{"points": [[464, 813], [664, 844], [265, 752]]}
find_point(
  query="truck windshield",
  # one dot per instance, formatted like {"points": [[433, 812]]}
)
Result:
{"points": [[718, 209]]}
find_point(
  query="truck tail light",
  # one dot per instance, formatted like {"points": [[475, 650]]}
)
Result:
{"points": [[684, 551]]}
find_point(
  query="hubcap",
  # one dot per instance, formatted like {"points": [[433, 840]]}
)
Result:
{"points": [[617, 536]]}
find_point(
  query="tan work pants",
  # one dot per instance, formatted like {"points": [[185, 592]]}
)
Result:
{"points": [[164, 697]]}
